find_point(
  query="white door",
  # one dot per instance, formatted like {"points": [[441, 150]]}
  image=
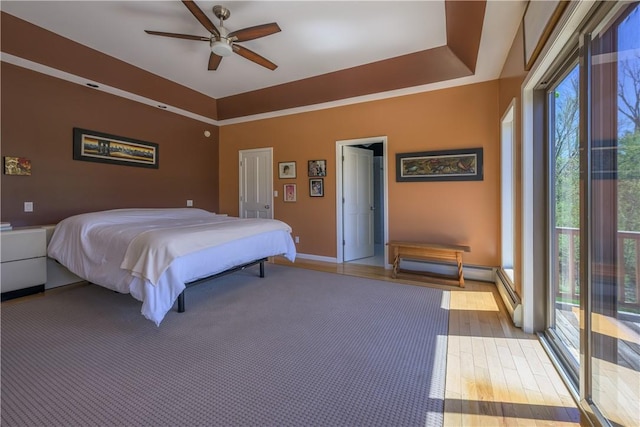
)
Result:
{"points": [[256, 183], [357, 192]]}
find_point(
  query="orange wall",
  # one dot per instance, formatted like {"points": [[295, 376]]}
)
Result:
{"points": [[440, 212]]}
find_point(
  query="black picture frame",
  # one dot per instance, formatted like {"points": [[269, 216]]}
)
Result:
{"points": [[442, 165], [317, 168], [100, 147], [316, 187]]}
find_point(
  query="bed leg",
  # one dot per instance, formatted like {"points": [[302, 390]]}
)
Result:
{"points": [[261, 268], [181, 302]]}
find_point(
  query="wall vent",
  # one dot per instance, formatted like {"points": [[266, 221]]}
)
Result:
{"points": [[511, 300]]}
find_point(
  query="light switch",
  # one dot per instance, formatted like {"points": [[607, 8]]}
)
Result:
{"points": [[28, 206]]}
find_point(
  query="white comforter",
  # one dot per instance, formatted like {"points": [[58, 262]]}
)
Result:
{"points": [[152, 253]]}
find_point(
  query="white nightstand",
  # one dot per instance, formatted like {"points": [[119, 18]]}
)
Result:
{"points": [[23, 267]]}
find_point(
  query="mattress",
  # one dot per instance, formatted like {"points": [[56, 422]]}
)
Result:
{"points": [[152, 253]]}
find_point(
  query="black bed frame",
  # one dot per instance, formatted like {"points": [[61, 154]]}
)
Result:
{"points": [[204, 279]]}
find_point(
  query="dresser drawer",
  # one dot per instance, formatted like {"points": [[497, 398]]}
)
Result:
{"points": [[23, 244], [23, 274]]}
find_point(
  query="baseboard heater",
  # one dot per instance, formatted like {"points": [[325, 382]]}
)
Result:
{"points": [[511, 300], [471, 272]]}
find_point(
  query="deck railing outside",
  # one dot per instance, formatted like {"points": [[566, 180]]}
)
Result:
{"points": [[567, 271]]}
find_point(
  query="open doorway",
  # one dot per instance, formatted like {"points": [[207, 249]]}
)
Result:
{"points": [[361, 200]]}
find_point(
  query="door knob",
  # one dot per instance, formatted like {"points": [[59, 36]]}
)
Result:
{"points": [[266, 206]]}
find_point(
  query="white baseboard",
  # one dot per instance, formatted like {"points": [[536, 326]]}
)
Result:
{"points": [[471, 272], [511, 301], [318, 258]]}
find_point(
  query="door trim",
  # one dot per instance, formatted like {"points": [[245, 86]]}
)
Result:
{"points": [[339, 213]]}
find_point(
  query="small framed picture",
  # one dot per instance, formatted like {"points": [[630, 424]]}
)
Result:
{"points": [[289, 192], [316, 187], [17, 166], [286, 170], [317, 168]]}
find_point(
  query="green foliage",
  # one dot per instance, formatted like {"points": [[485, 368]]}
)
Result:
{"points": [[567, 152], [567, 177], [629, 205], [629, 182]]}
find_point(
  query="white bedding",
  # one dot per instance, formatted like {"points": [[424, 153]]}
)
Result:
{"points": [[93, 246]]}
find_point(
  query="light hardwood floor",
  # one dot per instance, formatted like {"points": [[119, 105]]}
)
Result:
{"points": [[496, 374]]}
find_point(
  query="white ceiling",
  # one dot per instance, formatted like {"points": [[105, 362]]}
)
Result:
{"points": [[317, 37]]}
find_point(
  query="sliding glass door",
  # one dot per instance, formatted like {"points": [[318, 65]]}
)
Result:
{"points": [[614, 184], [563, 102], [593, 244]]}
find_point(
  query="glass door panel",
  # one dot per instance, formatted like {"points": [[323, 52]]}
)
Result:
{"points": [[564, 162], [615, 219]]}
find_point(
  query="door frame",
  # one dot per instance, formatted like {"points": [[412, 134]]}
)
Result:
{"points": [[385, 184], [508, 163], [269, 150]]}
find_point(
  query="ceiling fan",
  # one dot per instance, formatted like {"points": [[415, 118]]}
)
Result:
{"points": [[222, 42]]}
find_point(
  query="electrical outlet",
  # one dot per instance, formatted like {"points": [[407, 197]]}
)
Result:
{"points": [[28, 206], [189, 203], [297, 239]]}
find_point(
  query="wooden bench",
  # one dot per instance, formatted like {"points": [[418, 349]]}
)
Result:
{"points": [[428, 252]]}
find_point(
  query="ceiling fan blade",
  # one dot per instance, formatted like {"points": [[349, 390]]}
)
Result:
{"points": [[201, 17], [252, 56], [178, 36], [255, 32], [214, 61]]}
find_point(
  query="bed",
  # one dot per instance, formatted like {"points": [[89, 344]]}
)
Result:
{"points": [[153, 254]]}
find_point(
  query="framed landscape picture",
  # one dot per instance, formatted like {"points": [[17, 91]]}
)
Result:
{"points": [[445, 165], [92, 146]]}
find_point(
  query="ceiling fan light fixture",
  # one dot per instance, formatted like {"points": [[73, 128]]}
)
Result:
{"points": [[221, 48], [222, 42]]}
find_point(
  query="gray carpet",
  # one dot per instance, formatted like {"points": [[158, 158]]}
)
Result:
{"points": [[297, 348]]}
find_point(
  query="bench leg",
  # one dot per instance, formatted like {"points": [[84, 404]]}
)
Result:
{"points": [[396, 264], [460, 272]]}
